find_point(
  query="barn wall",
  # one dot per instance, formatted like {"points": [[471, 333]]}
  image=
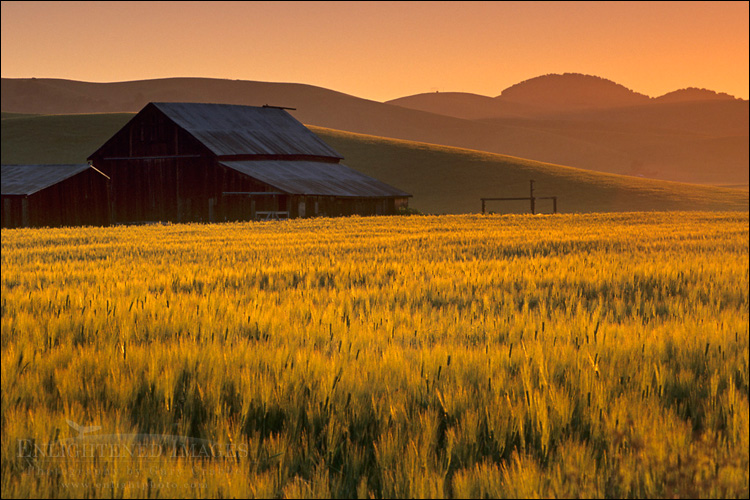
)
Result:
{"points": [[12, 211], [161, 189], [183, 190], [192, 189]]}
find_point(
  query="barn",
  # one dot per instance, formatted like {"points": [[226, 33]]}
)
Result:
{"points": [[54, 195], [184, 162]]}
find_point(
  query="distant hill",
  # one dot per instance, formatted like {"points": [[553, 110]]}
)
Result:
{"points": [[694, 94], [442, 179], [553, 96], [571, 92], [686, 142], [58, 96], [693, 135], [467, 106]]}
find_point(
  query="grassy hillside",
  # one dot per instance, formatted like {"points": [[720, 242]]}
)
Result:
{"points": [[452, 180], [700, 142], [442, 179], [56, 138]]}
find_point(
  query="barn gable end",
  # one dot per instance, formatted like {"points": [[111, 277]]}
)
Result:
{"points": [[152, 134]]}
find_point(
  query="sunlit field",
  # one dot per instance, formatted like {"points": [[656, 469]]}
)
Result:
{"points": [[424, 356]]}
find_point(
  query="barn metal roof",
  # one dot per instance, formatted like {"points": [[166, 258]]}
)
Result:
{"points": [[229, 129], [315, 178], [29, 179]]}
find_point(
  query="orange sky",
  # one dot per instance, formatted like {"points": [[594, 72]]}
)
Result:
{"points": [[384, 50]]}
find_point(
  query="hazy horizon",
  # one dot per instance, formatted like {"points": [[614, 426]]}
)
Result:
{"points": [[384, 50], [387, 101]]}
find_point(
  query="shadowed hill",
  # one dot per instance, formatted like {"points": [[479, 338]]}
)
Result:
{"points": [[703, 141], [700, 141], [711, 118], [694, 94], [467, 106], [545, 95], [571, 91], [442, 179], [452, 180], [693, 135]]}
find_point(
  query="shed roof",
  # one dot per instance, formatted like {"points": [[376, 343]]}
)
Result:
{"points": [[315, 178], [29, 179], [230, 129]]}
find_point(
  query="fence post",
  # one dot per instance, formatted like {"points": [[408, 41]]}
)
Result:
{"points": [[531, 195]]}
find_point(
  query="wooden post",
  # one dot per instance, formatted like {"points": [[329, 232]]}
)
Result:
{"points": [[482, 206], [531, 195], [554, 204], [25, 211], [7, 221], [177, 193]]}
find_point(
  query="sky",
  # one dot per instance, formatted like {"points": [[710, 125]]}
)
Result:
{"points": [[384, 50]]}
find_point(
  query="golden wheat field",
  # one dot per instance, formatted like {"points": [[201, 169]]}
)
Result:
{"points": [[599, 355]]}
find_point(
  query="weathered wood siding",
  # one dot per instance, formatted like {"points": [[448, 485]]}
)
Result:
{"points": [[81, 200]]}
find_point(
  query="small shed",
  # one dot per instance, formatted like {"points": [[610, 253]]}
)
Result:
{"points": [[185, 162], [54, 195]]}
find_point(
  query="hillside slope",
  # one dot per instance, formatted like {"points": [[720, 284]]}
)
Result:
{"points": [[56, 138], [452, 180], [467, 106], [442, 179]]}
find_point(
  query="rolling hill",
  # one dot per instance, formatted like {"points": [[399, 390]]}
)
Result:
{"points": [[694, 94], [442, 179], [571, 92], [695, 135], [467, 106], [571, 95], [704, 142]]}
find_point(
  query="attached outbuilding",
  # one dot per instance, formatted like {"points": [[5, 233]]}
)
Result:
{"points": [[185, 162], [54, 195]]}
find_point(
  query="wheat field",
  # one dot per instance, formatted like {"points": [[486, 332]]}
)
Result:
{"points": [[597, 355]]}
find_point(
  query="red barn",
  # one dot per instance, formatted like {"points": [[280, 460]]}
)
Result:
{"points": [[214, 162]]}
